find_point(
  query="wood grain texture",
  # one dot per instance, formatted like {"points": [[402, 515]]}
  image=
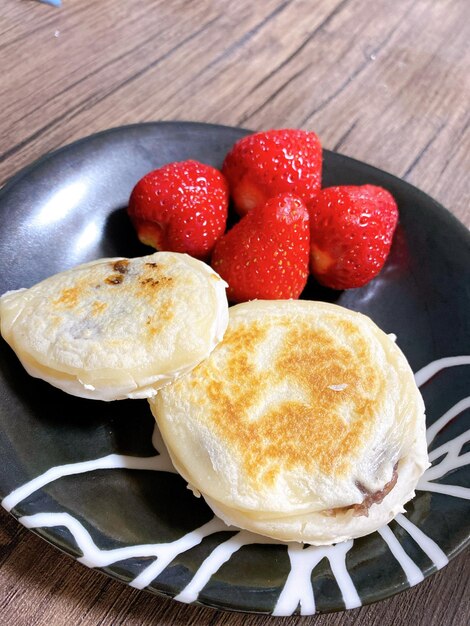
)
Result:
{"points": [[387, 83]]}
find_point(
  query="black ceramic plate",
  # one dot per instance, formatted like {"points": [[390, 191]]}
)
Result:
{"points": [[85, 474]]}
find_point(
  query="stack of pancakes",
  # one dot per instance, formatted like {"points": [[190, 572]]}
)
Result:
{"points": [[298, 420], [117, 328]]}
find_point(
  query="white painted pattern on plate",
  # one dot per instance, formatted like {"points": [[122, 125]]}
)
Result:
{"points": [[112, 461], [297, 592], [298, 589], [412, 571]]}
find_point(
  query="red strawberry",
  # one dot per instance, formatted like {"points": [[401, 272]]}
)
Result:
{"points": [[268, 163], [181, 207], [266, 254], [351, 231]]}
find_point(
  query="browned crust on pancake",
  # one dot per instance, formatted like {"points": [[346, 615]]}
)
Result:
{"points": [[69, 298], [292, 434], [98, 307], [156, 323], [150, 284]]}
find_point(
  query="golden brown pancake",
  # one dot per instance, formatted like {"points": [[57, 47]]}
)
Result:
{"points": [[304, 424], [117, 328]]}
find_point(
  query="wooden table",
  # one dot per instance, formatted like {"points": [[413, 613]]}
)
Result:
{"points": [[387, 83]]}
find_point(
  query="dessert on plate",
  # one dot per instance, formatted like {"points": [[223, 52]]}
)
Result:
{"points": [[304, 424], [117, 328]]}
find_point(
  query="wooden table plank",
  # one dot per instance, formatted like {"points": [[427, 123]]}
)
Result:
{"points": [[387, 83], [273, 59]]}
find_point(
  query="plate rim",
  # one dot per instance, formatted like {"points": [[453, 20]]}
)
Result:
{"points": [[26, 169]]}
